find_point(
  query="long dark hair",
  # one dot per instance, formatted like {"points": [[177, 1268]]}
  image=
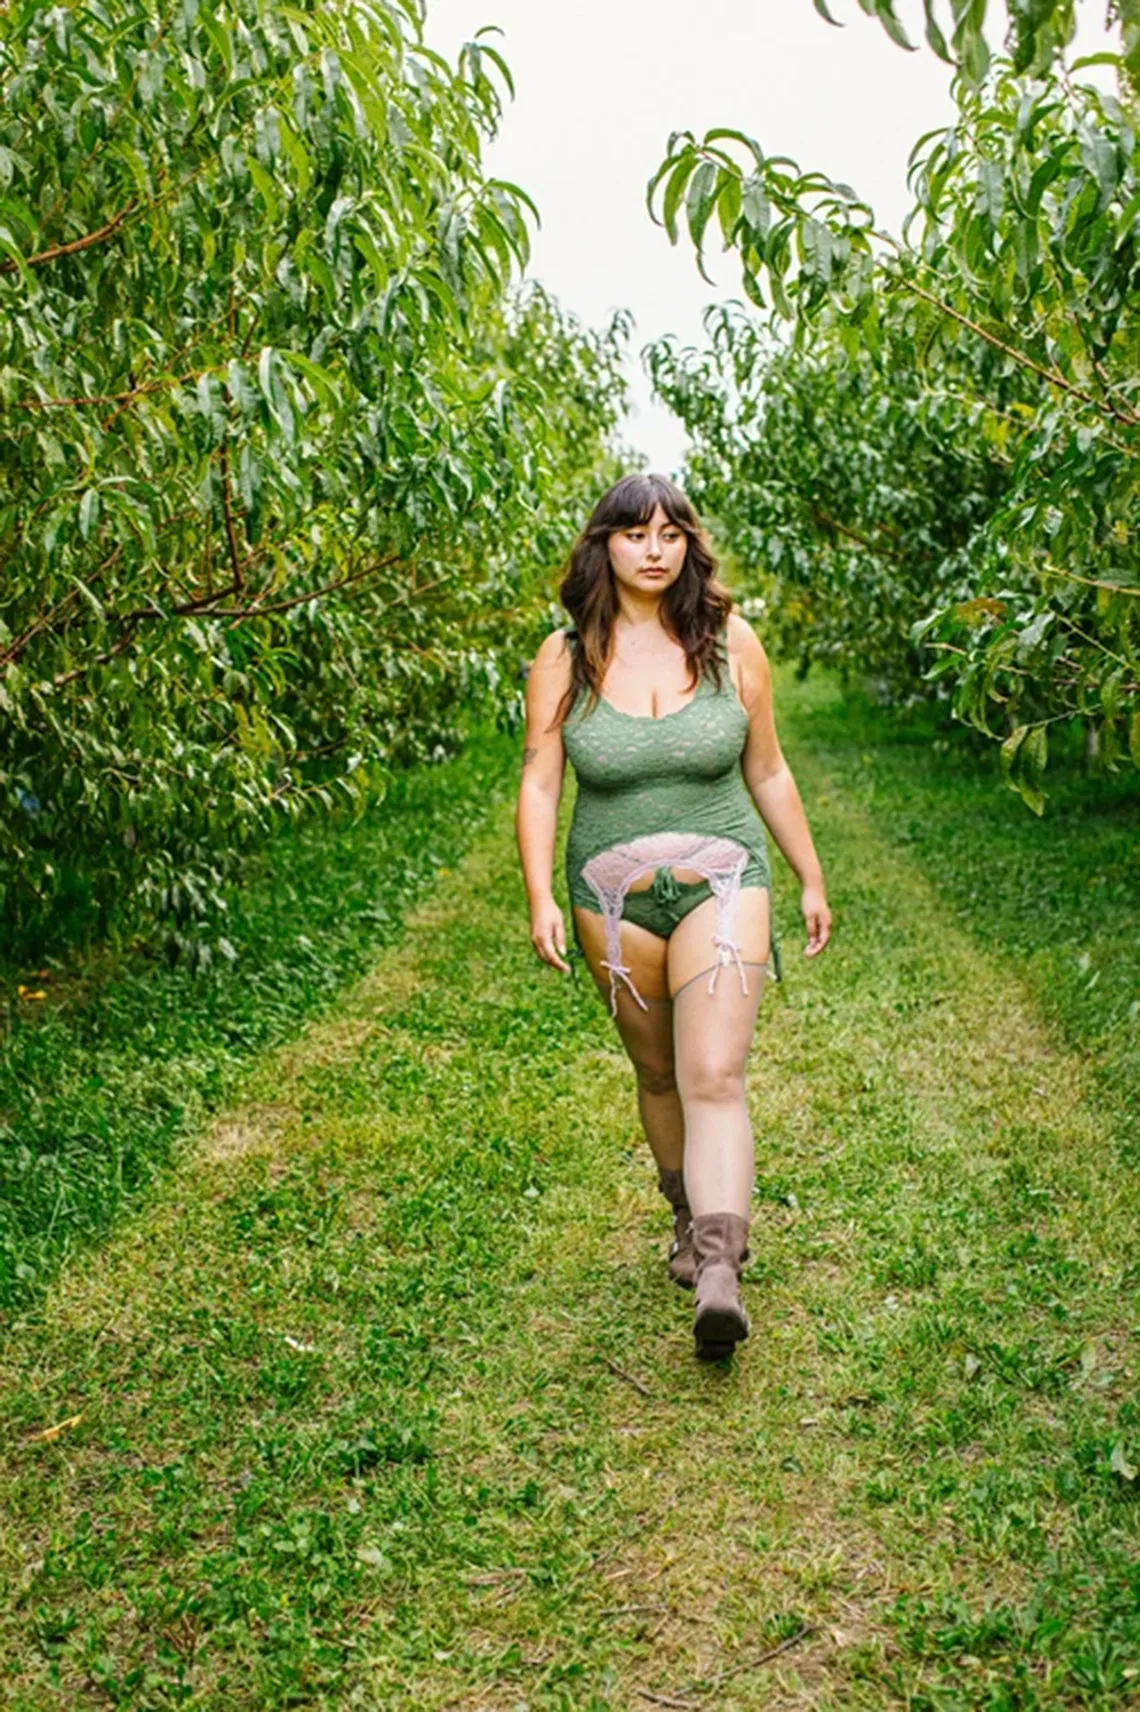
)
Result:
{"points": [[694, 609]]}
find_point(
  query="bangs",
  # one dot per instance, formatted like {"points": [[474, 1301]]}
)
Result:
{"points": [[632, 502]]}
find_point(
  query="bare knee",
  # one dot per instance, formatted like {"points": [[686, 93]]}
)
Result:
{"points": [[660, 1078], [713, 1082]]}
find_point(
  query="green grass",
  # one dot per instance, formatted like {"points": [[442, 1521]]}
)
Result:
{"points": [[125, 1057], [1060, 897], [349, 1430]]}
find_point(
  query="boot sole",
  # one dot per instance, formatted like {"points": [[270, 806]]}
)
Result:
{"points": [[715, 1351], [717, 1333]]}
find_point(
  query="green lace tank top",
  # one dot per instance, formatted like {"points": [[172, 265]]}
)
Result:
{"points": [[641, 778]]}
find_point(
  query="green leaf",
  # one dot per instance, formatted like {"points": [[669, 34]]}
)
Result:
{"points": [[934, 34], [885, 12], [520, 195], [700, 199], [495, 56], [1099, 156], [756, 209], [991, 189], [1127, 219], [266, 376], [219, 36], [1043, 177], [973, 52], [266, 189], [1113, 59], [88, 512], [11, 249], [1010, 748], [1121, 1465], [1035, 751], [674, 190], [134, 163], [1030, 795], [372, 102], [296, 154], [728, 205], [324, 383], [724, 134], [1034, 633], [364, 242]]}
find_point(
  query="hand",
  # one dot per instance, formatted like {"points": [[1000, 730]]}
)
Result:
{"points": [[813, 903], [548, 934]]}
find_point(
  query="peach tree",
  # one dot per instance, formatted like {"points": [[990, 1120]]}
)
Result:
{"points": [[286, 452], [932, 441]]}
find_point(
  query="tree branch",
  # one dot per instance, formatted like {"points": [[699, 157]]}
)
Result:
{"points": [[205, 607], [48, 620], [1092, 582], [74, 246], [254, 610], [1130, 418], [101, 397], [821, 516]]}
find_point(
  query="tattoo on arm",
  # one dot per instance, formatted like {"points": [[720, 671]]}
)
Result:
{"points": [[528, 756]]}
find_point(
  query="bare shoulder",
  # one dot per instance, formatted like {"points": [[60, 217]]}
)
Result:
{"points": [[746, 647], [553, 650], [551, 664], [742, 639], [548, 678]]}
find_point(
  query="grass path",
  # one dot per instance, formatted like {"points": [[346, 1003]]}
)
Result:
{"points": [[385, 1400]]}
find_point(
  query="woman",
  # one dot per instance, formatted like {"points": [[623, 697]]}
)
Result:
{"points": [[661, 697]]}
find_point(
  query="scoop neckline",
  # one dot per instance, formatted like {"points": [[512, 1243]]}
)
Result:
{"points": [[656, 718], [652, 718]]}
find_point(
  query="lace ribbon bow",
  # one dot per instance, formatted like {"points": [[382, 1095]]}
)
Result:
{"points": [[620, 972], [728, 949]]}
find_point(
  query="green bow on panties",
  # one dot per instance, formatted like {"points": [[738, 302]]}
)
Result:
{"points": [[665, 888]]}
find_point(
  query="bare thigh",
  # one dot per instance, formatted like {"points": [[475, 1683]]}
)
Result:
{"points": [[644, 954], [647, 1035], [658, 967], [690, 949]]}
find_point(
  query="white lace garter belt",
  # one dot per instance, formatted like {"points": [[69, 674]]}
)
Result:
{"points": [[609, 875]]}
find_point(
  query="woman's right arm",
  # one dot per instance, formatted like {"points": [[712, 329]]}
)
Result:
{"points": [[540, 792]]}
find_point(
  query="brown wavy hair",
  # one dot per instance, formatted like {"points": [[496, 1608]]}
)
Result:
{"points": [[694, 609]]}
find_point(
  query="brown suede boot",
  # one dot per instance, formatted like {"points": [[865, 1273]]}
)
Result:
{"points": [[682, 1261], [720, 1243]]}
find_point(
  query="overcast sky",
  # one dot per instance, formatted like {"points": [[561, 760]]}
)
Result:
{"points": [[600, 85]]}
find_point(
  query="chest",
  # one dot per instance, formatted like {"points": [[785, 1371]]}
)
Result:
{"points": [[654, 683], [649, 686], [700, 741]]}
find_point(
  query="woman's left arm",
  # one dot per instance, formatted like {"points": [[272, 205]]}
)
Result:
{"points": [[770, 782]]}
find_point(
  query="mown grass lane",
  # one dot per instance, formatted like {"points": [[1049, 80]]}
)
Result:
{"points": [[384, 1399]]}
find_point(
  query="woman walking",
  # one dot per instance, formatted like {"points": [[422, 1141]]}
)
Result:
{"points": [[661, 698]]}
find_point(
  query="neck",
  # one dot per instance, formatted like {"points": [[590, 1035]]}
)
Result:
{"points": [[638, 611]]}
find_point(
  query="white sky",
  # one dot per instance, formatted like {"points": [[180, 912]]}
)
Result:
{"points": [[601, 83]]}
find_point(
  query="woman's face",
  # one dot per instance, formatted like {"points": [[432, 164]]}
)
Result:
{"points": [[648, 556]]}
